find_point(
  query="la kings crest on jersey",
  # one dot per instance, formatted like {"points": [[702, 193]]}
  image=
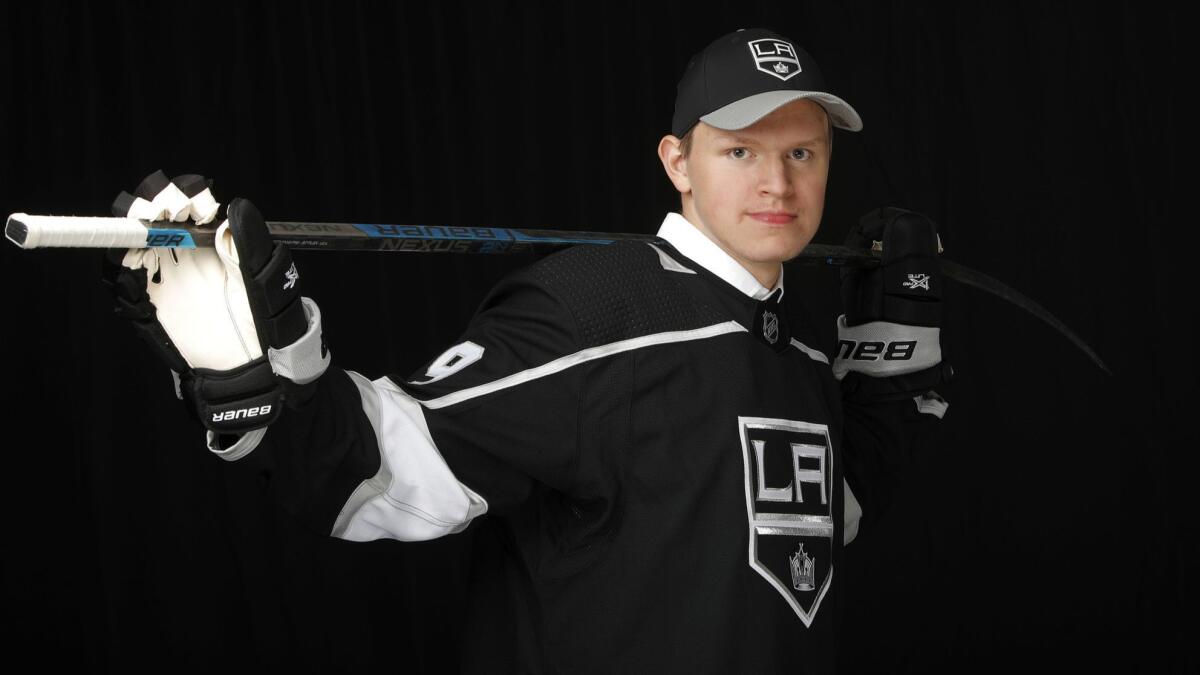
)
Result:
{"points": [[789, 508]]}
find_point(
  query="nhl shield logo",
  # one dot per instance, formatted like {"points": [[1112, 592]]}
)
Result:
{"points": [[770, 327], [775, 57], [789, 504]]}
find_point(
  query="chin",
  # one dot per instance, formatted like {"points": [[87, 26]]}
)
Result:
{"points": [[777, 255], [787, 251]]}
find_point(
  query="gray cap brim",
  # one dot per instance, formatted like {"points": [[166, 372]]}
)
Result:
{"points": [[741, 114]]}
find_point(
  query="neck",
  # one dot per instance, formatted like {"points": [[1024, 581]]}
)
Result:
{"points": [[765, 273], [768, 277]]}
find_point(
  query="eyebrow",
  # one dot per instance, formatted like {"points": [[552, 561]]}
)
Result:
{"points": [[726, 137]]}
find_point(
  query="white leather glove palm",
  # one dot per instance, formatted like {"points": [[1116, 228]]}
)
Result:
{"points": [[201, 302]]}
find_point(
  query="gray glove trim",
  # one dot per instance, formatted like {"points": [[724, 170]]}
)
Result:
{"points": [[930, 403], [244, 445], [306, 359]]}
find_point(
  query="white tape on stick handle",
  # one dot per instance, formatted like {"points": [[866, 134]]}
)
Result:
{"points": [[29, 231]]}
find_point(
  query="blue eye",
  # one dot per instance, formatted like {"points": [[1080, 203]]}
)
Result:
{"points": [[738, 153], [801, 153]]}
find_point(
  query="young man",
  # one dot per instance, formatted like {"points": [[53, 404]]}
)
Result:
{"points": [[651, 429]]}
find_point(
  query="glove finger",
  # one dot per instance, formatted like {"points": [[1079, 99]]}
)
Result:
{"points": [[149, 259], [123, 204], [131, 301], [165, 196], [152, 185], [868, 230], [910, 261], [270, 276], [130, 206], [870, 227], [909, 234], [127, 285], [253, 243], [191, 183], [203, 206], [150, 201]]}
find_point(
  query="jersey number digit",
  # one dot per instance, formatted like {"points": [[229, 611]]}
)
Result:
{"points": [[451, 361]]}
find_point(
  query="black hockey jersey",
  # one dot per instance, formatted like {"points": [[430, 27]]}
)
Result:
{"points": [[660, 455]]}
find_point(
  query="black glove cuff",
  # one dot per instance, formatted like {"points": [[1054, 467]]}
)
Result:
{"points": [[234, 401], [862, 388]]}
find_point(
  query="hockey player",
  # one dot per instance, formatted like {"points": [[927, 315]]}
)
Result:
{"points": [[654, 429]]}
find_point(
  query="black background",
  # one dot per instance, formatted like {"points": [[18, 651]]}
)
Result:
{"points": [[1051, 528]]}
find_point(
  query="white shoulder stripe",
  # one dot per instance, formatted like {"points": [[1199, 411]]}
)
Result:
{"points": [[668, 263], [813, 354], [579, 357]]}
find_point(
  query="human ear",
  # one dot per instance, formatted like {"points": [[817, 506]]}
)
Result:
{"points": [[674, 163]]}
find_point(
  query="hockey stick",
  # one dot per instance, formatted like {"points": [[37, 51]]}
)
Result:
{"points": [[28, 231]]}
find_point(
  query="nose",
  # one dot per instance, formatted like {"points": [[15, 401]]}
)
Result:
{"points": [[773, 178]]}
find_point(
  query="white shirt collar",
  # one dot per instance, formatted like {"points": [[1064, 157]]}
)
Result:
{"points": [[694, 244]]}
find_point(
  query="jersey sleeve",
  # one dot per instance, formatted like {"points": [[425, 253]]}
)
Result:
{"points": [[420, 457]]}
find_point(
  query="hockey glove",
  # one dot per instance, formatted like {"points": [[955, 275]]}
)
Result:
{"points": [[889, 339], [229, 321]]}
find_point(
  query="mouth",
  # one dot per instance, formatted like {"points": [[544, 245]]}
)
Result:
{"points": [[774, 217]]}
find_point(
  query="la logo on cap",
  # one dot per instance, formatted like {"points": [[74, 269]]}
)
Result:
{"points": [[775, 57]]}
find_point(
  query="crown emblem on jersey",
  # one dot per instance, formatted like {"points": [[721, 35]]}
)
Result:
{"points": [[916, 281], [802, 570], [770, 327]]}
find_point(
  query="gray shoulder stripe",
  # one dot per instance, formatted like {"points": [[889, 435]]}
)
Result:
{"points": [[579, 357], [668, 263], [813, 354]]}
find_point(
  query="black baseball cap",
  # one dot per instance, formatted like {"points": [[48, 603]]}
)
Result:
{"points": [[744, 76]]}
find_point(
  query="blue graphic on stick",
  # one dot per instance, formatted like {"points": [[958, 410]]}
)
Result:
{"points": [[165, 238]]}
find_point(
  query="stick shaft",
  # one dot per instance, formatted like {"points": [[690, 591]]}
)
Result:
{"points": [[32, 231], [29, 231]]}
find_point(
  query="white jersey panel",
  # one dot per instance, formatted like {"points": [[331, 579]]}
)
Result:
{"points": [[414, 496]]}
